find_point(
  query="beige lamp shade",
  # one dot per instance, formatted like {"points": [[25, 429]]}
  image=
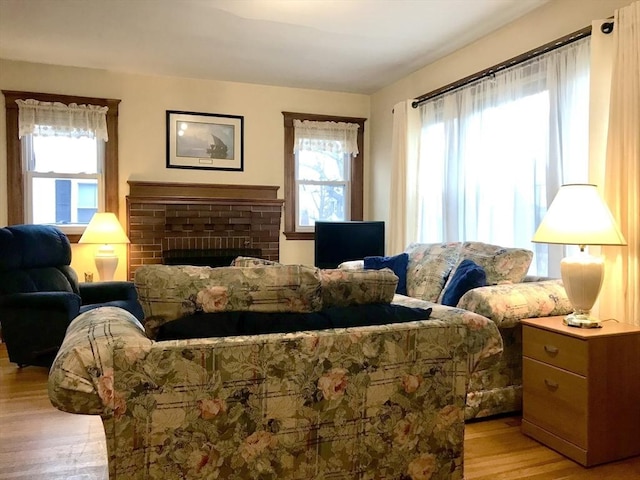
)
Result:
{"points": [[579, 216], [104, 228]]}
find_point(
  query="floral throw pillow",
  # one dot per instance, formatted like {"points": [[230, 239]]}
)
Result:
{"points": [[429, 266]]}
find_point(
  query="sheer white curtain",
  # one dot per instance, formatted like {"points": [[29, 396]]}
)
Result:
{"points": [[58, 119], [402, 213], [310, 135], [620, 297], [492, 155]]}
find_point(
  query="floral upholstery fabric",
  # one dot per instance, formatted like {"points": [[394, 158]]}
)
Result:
{"points": [[496, 387], [252, 262], [341, 288], [168, 292], [429, 267], [507, 304], [383, 402], [502, 265]]}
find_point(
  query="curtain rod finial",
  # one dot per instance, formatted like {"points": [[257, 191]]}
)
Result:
{"points": [[606, 28]]}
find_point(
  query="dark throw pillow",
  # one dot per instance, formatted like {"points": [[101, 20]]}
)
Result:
{"points": [[468, 275], [398, 263], [225, 324]]}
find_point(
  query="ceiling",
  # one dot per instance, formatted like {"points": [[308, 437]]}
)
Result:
{"points": [[354, 46]]}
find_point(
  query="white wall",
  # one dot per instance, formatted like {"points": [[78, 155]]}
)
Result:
{"points": [[545, 24], [142, 128]]}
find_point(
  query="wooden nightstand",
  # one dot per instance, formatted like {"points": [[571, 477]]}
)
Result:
{"points": [[581, 389]]}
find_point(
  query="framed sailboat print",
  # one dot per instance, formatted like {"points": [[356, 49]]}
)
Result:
{"points": [[207, 141]]}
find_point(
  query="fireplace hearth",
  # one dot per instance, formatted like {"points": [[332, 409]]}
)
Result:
{"points": [[186, 223]]}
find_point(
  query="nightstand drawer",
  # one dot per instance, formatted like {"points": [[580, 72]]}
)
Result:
{"points": [[558, 350], [555, 400]]}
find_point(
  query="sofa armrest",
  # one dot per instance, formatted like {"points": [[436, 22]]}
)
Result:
{"points": [[81, 377], [507, 304]]}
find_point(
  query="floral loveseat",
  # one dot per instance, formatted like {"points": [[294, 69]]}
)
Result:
{"points": [[509, 296], [383, 401]]}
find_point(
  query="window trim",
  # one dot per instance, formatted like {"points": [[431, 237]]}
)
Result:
{"points": [[357, 172], [15, 175]]}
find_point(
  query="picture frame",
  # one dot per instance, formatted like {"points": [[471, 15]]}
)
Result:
{"points": [[205, 141]]}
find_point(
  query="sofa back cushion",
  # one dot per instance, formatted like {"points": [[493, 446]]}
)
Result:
{"points": [[429, 267], [169, 292], [356, 287], [501, 265]]}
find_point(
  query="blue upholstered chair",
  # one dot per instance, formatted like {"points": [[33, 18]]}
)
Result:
{"points": [[40, 293]]}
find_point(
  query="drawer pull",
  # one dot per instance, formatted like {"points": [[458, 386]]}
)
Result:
{"points": [[551, 350], [551, 385]]}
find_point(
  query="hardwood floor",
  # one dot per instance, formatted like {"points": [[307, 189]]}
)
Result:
{"points": [[39, 442]]}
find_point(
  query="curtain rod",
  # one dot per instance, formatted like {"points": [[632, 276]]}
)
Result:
{"points": [[560, 42]]}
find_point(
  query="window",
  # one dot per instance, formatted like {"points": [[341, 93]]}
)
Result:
{"points": [[63, 179], [494, 153], [323, 178], [60, 179]]}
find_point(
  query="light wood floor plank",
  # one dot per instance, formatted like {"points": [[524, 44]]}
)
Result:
{"points": [[39, 442]]}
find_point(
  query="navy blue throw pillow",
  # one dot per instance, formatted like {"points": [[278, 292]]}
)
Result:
{"points": [[468, 275], [398, 263], [225, 324]]}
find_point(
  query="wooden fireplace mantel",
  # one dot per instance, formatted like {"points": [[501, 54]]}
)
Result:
{"points": [[169, 191]]}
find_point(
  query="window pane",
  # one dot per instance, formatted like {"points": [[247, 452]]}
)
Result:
{"points": [[87, 194], [322, 166], [57, 200], [65, 154], [320, 202]]}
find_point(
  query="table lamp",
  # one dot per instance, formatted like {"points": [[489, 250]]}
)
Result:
{"points": [[104, 229], [579, 216]]}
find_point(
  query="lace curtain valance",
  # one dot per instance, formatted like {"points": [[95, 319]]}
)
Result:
{"points": [[309, 135], [55, 118]]}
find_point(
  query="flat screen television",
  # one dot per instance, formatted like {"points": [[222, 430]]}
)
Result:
{"points": [[337, 242]]}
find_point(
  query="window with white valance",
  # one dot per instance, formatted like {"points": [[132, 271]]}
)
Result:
{"points": [[57, 119], [323, 171], [328, 136], [59, 168]]}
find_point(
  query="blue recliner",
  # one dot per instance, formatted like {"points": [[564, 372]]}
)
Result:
{"points": [[40, 293]]}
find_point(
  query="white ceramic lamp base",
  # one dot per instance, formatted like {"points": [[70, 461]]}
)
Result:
{"points": [[582, 275], [106, 262]]}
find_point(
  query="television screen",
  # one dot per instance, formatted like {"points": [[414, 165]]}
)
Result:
{"points": [[337, 242]]}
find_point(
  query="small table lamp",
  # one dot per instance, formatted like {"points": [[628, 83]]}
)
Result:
{"points": [[579, 216], [104, 229]]}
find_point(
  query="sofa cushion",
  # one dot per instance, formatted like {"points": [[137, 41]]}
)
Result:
{"points": [[501, 264], [429, 266], [468, 275], [224, 324], [355, 287], [397, 263], [168, 292], [252, 262]]}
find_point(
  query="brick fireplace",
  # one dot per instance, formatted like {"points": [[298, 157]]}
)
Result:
{"points": [[195, 220]]}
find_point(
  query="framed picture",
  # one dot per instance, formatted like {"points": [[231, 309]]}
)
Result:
{"points": [[207, 141]]}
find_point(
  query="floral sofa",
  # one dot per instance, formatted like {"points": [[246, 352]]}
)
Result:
{"points": [[381, 400], [508, 296]]}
